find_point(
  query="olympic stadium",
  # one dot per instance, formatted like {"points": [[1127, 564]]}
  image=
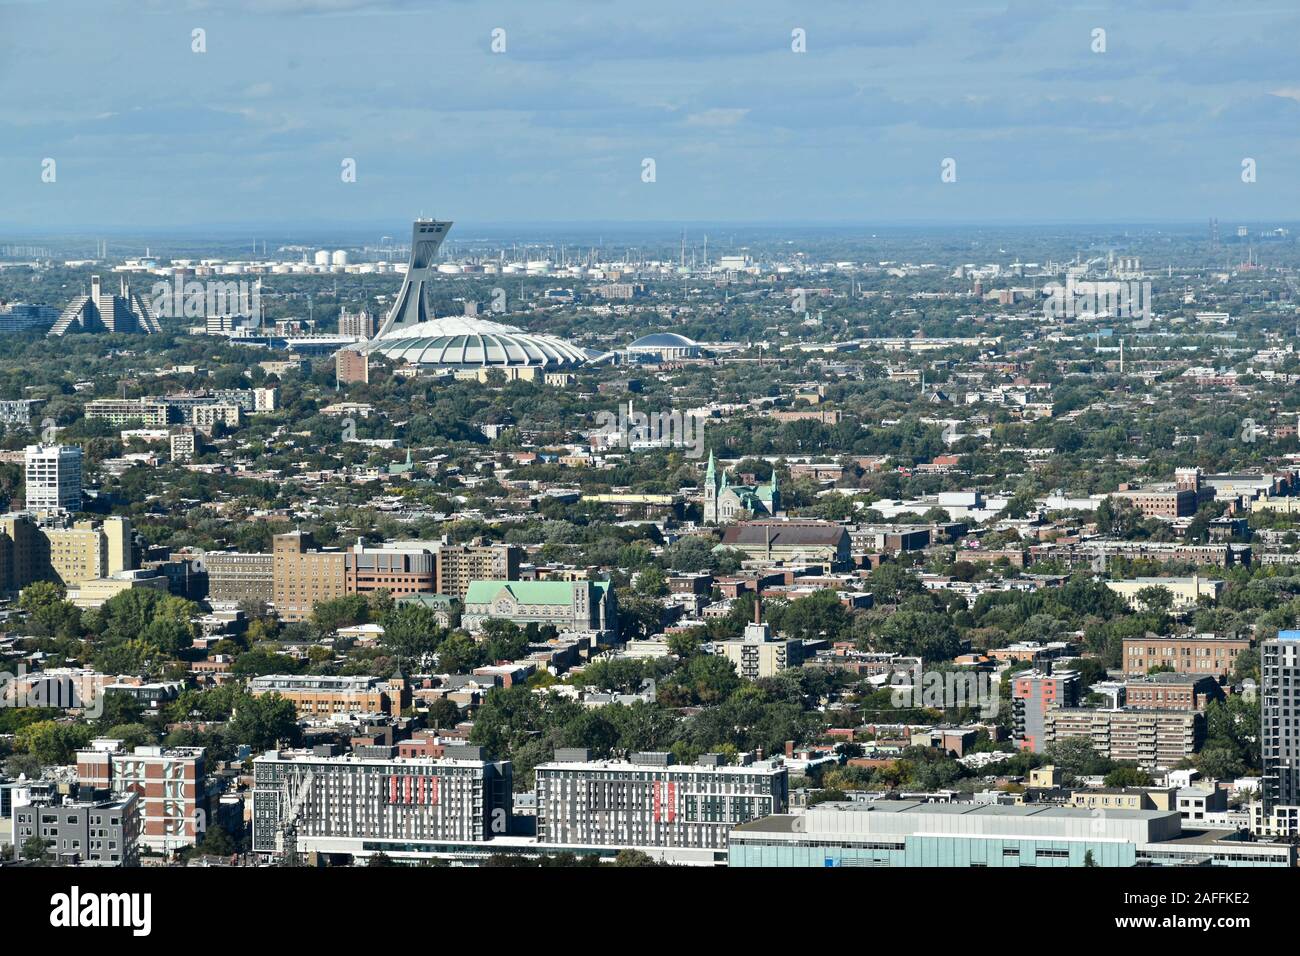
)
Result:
{"points": [[412, 334]]}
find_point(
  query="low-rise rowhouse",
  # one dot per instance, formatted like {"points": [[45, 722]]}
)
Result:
{"points": [[913, 834], [585, 607]]}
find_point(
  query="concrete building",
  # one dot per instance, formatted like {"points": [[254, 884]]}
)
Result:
{"points": [[94, 830], [1185, 592], [459, 564], [102, 311], [149, 412], [97, 592], [18, 411], [585, 607], [183, 443], [53, 477], [412, 807], [207, 417], [360, 324], [757, 654], [683, 813], [1152, 739], [914, 834]]}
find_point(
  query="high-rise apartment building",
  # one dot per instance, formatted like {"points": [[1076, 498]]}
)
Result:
{"points": [[351, 367], [183, 443], [303, 577], [53, 477], [459, 564], [1280, 719], [361, 324]]}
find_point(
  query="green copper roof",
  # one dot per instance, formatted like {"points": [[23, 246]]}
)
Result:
{"points": [[526, 592]]}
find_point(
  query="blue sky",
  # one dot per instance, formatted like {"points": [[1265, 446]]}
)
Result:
{"points": [[147, 133]]}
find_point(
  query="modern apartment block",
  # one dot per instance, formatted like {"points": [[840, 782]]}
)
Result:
{"points": [[314, 802], [183, 443], [314, 695], [360, 323], [169, 783], [97, 830], [1152, 739], [1280, 720], [1034, 694], [673, 811], [207, 417], [53, 477], [460, 564], [149, 412], [1202, 654]]}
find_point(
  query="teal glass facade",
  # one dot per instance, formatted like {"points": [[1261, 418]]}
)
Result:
{"points": [[929, 851]]}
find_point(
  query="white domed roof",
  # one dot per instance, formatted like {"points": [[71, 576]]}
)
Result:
{"points": [[467, 341]]}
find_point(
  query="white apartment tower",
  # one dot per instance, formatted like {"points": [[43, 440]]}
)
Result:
{"points": [[53, 477]]}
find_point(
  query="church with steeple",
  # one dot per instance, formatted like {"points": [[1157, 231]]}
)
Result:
{"points": [[723, 501]]}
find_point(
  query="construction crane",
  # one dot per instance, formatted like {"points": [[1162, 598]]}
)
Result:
{"points": [[291, 804]]}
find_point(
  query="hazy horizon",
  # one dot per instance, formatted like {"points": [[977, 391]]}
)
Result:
{"points": [[1046, 120]]}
